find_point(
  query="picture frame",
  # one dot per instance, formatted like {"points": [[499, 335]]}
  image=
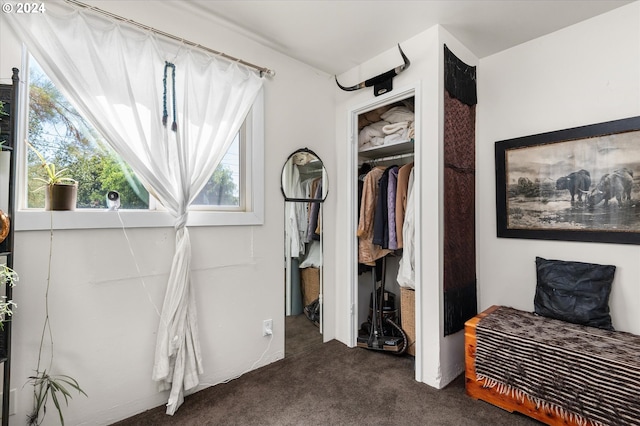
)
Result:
{"points": [[577, 184]]}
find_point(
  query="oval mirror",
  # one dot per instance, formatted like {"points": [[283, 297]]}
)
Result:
{"points": [[304, 166]]}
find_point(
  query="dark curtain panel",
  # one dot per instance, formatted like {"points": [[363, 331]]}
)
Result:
{"points": [[460, 301], [459, 79]]}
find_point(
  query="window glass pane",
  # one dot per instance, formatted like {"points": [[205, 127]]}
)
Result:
{"points": [[66, 139], [223, 188]]}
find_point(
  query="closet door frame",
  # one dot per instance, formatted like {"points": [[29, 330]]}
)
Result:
{"points": [[352, 263]]}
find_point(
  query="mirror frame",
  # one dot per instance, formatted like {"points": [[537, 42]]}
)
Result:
{"points": [[325, 186]]}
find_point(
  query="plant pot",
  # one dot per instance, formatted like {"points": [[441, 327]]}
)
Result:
{"points": [[5, 225], [61, 196]]}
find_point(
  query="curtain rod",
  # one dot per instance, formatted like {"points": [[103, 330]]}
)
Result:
{"points": [[263, 70]]}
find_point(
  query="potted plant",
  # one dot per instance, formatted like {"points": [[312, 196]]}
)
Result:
{"points": [[61, 191], [46, 386]]}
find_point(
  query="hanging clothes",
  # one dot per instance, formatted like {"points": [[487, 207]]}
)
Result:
{"points": [[381, 216], [362, 173], [401, 200], [313, 229], [391, 206], [368, 252], [295, 213], [406, 269]]}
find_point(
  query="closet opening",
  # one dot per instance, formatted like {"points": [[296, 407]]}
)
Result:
{"points": [[383, 213]]}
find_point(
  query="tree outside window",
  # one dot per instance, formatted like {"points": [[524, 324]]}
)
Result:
{"points": [[65, 138]]}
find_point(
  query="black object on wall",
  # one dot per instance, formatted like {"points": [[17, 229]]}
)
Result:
{"points": [[382, 83]]}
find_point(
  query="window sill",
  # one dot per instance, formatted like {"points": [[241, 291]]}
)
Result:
{"points": [[33, 220]]}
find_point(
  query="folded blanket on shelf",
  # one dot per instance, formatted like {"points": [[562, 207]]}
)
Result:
{"points": [[372, 134], [395, 138], [398, 114], [395, 127]]}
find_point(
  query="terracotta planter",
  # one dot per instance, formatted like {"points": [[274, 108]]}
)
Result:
{"points": [[61, 197]]}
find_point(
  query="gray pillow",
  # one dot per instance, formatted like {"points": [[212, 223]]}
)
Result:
{"points": [[575, 292]]}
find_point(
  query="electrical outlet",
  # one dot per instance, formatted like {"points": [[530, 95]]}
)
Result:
{"points": [[267, 327], [12, 402]]}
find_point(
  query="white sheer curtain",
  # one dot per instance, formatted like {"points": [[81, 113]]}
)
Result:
{"points": [[115, 76]]}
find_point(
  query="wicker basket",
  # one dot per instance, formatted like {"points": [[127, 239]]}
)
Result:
{"points": [[310, 283], [408, 317]]}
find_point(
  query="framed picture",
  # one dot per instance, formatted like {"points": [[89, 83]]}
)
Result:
{"points": [[579, 184]]}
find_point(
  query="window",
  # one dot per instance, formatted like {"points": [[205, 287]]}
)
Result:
{"points": [[64, 137], [67, 140]]}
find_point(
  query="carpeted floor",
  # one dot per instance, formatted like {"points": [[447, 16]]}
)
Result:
{"points": [[301, 335], [331, 384]]}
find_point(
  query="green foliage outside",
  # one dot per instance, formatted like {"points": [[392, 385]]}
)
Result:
{"points": [[219, 191], [58, 131], [65, 138]]}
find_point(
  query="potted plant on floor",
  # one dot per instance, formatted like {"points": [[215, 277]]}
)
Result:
{"points": [[61, 191]]}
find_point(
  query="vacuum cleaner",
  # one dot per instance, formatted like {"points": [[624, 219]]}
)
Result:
{"points": [[381, 331]]}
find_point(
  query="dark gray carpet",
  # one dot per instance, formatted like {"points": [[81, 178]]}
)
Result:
{"points": [[331, 384], [301, 335]]}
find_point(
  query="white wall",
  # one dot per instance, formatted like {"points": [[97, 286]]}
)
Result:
{"points": [[585, 74], [104, 315]]}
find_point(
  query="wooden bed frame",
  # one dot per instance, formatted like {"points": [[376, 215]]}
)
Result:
{"points": [[507, 402]]}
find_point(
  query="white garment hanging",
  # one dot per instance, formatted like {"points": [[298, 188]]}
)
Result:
{"points": [[294, 211], [406, 268]]}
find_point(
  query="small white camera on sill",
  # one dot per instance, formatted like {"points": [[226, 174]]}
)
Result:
{"points": [[113, 200]]}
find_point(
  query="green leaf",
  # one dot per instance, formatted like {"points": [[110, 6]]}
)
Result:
{"points": [[46, 386], [54, 397], [59, 388]]}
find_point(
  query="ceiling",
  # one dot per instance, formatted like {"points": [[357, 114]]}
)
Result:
{"points": [[335, 36]]}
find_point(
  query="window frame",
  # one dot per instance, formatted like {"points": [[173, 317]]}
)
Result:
{"points": [[252, 177]]}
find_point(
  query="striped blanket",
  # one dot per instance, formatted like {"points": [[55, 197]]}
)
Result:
{"points": [[583, 373]]}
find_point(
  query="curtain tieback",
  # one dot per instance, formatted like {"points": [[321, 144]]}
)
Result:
{"points": [[165, 114]]}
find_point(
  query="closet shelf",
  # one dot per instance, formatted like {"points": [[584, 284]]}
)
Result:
{"points": [[382, 150]]}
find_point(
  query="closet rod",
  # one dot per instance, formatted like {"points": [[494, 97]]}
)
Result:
{"points": [[389, 158], [263, 70]]}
